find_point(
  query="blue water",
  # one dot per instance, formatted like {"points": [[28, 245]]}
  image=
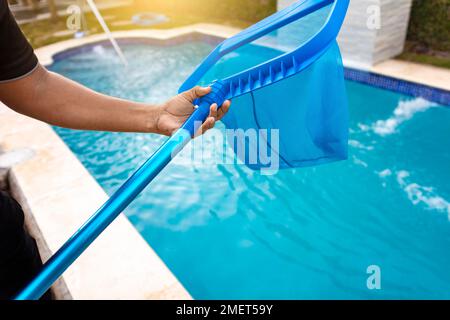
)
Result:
{"points": [[228, 232]]}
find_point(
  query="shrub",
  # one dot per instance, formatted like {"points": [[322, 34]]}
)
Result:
{"points": [[430, 24]]}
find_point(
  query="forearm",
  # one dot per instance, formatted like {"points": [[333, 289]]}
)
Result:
{"points": [[56, 100], [62, 102]]}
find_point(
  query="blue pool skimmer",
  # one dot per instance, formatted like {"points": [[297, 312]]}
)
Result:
{"points": [[301, 93]]}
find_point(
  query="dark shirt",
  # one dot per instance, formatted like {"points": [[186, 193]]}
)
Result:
{"points": [[16, 54]]}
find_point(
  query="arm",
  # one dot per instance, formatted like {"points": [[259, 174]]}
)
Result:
{"points": [[51, 98]]}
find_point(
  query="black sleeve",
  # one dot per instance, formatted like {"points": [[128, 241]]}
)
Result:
{"points": [[16, 54]]}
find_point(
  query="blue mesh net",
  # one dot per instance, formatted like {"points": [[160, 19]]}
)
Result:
{"points": [[309, 110], [303, 119]]}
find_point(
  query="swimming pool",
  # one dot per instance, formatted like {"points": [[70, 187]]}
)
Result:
{"points": [[228, 232]]}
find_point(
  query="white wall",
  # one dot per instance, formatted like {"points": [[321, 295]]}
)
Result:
{"points": [[363, 46]]}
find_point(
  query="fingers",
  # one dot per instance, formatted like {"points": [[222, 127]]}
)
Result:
{"points": [[218, 113], [210, 121], [213, 111], [208, 124], [196, 92], [215, 114], [223, 110]]}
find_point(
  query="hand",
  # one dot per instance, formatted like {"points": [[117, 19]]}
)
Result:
{"points": [[174, 112]]}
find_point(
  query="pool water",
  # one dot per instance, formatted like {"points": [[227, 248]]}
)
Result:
{"points": [[228, 232]]}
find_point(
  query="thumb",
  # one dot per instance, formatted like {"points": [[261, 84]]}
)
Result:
{"points": [[196, 92]]}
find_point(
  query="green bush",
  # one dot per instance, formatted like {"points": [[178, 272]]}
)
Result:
{"points": [[430, 24]]}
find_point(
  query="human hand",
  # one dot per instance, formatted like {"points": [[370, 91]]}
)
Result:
{"points": [[173, 113]]}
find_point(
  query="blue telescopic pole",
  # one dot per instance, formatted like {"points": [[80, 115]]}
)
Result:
{"points": [[101, 219]]}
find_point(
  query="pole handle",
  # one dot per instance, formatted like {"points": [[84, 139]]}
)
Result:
{"points": [[217, 95]]}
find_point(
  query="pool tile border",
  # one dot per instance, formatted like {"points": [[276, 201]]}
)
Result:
{"points": [[429, 93]]}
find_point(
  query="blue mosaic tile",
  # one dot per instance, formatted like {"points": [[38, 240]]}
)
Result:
{"points": [[436, 95]]}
